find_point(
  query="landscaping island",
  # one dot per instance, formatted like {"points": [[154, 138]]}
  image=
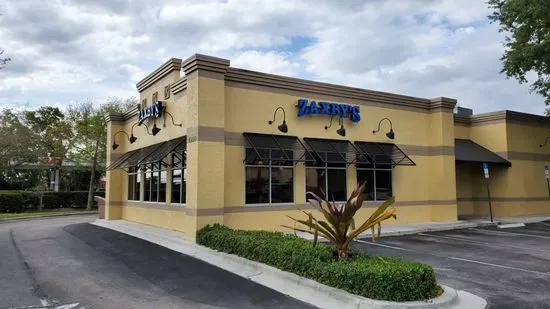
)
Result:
{"points": [[374, 277]]}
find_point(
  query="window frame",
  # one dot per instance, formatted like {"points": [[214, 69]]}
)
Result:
{"points": [[269, 167], [134, 173], [150, 169], [374, 168], [326, 167], [182, 169]]}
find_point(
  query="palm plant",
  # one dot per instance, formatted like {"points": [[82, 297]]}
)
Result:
{"points": [[339, 227]]}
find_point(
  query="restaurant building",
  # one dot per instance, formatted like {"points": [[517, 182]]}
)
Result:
{"points": [[210, 143]]}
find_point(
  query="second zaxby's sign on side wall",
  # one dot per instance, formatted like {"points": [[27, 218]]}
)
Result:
{"points": [[151, 111], [306, 107]]}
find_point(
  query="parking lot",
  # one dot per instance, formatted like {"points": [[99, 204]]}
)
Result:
{"points": [[509, 267]]}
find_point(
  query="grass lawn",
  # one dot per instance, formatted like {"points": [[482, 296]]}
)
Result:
{"points": [[43, 213]]}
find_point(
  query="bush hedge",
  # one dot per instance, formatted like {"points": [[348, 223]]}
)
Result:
{"points": [[19, 201], [381, 278]]}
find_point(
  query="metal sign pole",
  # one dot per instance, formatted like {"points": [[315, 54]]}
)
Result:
{"points": [[490, 206], [486, 173], [547, 176], [548, 184]]}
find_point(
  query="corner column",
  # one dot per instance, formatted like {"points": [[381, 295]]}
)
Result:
{"points": [[205, 118], [442, 169], [113, 178]]}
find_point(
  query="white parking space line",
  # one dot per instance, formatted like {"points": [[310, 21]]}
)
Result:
{"points": [[457, 258], [500, 266], [46, 305], [483, 242], [509, 233], [385, 246]]}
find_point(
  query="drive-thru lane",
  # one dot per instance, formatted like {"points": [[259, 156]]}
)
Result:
{"points": [[510, 268], [68, 263]]}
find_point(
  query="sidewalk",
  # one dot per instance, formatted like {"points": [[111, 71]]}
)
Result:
{"points": [[422, 227]]}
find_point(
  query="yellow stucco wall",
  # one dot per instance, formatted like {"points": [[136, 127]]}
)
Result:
{"points": [[214, 113], [172, 220], [274, 220], [515, 191], [410, 183]]}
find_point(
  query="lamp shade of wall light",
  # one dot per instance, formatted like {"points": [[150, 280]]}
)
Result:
{"points": [[115, 145], [155, 129], [390, 134], [341, 131], [283, 127]]}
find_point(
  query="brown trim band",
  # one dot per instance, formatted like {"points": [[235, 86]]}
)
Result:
{"points": [[204, 212], [149, 205], [179, 85], [239, 78], [503, 199], [173, 64], [527, 156], [503, 116], [236, 139], [205, 134], [286, 207], [428, 151], [328, 96]]}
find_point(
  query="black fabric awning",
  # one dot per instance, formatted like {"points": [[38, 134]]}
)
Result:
{"points": [[385, 153], [120, 161], [468, 151], [149, 154], [286, 148], [161, 152], [341, 151]]}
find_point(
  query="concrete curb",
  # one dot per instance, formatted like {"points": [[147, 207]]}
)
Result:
{"points": [[433, 229], [47, 216], [295, 286]]}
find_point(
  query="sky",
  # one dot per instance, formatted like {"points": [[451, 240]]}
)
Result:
{"points": [[68, 51]]}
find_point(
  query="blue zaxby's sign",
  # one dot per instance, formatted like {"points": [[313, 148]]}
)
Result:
{"points": [[151, 111], [306, 107]]}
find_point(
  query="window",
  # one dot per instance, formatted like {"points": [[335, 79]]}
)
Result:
{"points": [[378, 177], [155, 183], [178, 177], [134, 183], [327, 175], [269, 181]]}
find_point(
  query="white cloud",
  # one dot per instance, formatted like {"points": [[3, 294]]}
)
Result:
{"points": [[267, 62], [72, 50]]}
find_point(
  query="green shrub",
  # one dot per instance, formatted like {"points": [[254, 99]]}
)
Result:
{"points": [[373, 277], [11, 202], [17, 201]]}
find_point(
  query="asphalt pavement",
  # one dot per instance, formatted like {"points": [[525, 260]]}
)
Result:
{"points": [[509, 267], [67, 263]]}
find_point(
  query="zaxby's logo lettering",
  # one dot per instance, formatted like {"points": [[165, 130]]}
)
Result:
{"points": [[151, 111], [326, 108]]}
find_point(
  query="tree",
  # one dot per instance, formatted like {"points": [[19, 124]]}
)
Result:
{"points": [[528, 46], [90, 133], [3, 60], [52, 128], [19, 143]]}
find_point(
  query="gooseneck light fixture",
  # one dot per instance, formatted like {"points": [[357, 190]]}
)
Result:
{"points": [[390, 134], [146, 128], [171, 117], [545, 142], [341, 131], [282, 127], [115, 145], [155, 129]]}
